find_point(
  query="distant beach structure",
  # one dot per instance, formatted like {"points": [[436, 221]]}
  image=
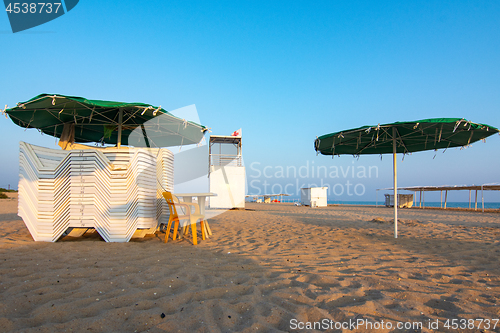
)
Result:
{"points": [[444, 189]]}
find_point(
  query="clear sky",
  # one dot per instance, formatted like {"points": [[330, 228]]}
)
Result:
{"points": [[284, 71]]}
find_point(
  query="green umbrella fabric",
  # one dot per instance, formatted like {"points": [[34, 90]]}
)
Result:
{"points": [[98, 121], [411, 136]]}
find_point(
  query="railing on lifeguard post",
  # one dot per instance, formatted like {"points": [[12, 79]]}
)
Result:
{"points": [[226, 172]]}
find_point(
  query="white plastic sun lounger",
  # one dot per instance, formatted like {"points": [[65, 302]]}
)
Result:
{"points": [[116, 191]]}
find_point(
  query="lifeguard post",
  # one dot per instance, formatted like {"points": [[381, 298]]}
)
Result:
{"points": [[226, 172]]}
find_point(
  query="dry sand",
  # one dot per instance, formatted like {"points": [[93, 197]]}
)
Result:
{"points": [[263, 268]]}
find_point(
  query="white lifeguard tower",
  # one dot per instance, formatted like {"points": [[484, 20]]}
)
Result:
{"points": [[226, 172]]}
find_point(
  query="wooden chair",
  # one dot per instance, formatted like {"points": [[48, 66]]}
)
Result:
{"points": [[184, 208]]}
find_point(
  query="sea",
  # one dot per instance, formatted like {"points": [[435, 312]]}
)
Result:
{"points": [[487, 205]]}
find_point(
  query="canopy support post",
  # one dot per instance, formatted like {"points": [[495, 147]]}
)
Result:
{"points": [[120, 121], [395, 171], [469, 198], [441, 205], [482, 197], [445, 198], [475, 204], [146, 140]]}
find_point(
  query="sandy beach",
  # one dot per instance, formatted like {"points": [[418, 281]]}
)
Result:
{"points": [[269, 268]]}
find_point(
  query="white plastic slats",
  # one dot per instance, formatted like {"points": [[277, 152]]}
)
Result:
{"points": [[115, 191]]}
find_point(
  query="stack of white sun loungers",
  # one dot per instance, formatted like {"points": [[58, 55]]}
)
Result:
{"points": [[116, 191]]}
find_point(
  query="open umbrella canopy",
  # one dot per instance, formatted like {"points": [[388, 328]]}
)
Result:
{"points": [[411, 136], [403, 137], [102, 121]]}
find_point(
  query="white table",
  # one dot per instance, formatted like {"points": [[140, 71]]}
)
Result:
{"points": [[188, 197]]}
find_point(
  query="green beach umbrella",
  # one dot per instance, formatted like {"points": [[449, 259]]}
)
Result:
{"points": [[102, 121], [403, 137]]}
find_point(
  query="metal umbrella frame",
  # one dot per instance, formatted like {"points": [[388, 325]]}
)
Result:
{"points": [[403, 137], [102, 121]]}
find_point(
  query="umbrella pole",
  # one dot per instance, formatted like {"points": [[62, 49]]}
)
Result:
{"points": [[395, 172], [120, 121]]}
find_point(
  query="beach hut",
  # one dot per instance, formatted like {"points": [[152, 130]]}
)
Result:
{"points": [[403, 137], [314, 196], [404, 200]]}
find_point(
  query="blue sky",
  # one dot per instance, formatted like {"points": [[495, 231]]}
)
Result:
{"points": [[285, 72]]}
